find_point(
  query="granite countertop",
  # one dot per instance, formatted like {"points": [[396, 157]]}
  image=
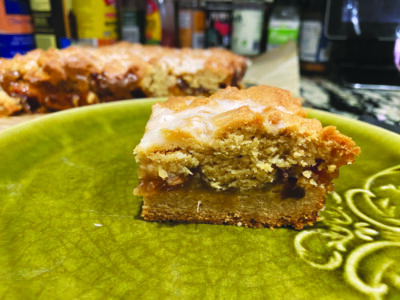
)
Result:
{"points": [[381, 108]]}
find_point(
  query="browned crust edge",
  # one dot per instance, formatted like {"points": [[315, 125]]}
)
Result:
{"points": [[297, 221]]}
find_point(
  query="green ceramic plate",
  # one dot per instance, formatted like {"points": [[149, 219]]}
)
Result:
{"points": [[70, 227]]}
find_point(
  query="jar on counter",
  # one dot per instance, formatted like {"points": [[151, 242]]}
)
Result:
{"points": [[16, 30], [218, 24], [314, 46], [191, 24], [132, 18], [160, 22], [248, 17], [97, 22], [52, 26], [284, 23]]}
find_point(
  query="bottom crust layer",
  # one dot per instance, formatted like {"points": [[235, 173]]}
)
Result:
{"points": [[260, 208]]}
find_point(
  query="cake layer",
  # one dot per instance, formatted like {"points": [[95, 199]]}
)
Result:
{"points": [[60, 79], [194, 203]]}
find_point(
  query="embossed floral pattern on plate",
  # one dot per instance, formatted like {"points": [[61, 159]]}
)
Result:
{"points": [[360, 227]]}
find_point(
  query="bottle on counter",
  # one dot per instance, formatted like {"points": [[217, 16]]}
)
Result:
{"points": [[284, 23], [132, 20], [248, 18], [269, 4], [218, 24], [160, 23], [191, 24], [96, 21], [51, 23], [16, 30], [314, 46]]}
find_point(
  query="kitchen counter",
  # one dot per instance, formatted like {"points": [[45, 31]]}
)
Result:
{"points": [[381, 108]]}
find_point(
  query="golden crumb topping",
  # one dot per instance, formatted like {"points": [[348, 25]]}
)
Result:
{"points": [[181, 120]]}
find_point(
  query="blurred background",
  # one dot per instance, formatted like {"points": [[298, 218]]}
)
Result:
{"points": [[346, 51]]}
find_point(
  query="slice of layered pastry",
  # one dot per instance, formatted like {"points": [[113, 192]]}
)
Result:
{"points": [[242, 157]]}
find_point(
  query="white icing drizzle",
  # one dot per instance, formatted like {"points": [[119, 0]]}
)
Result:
{"points": [[182, 65], [282, 109], [196, 121]]}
